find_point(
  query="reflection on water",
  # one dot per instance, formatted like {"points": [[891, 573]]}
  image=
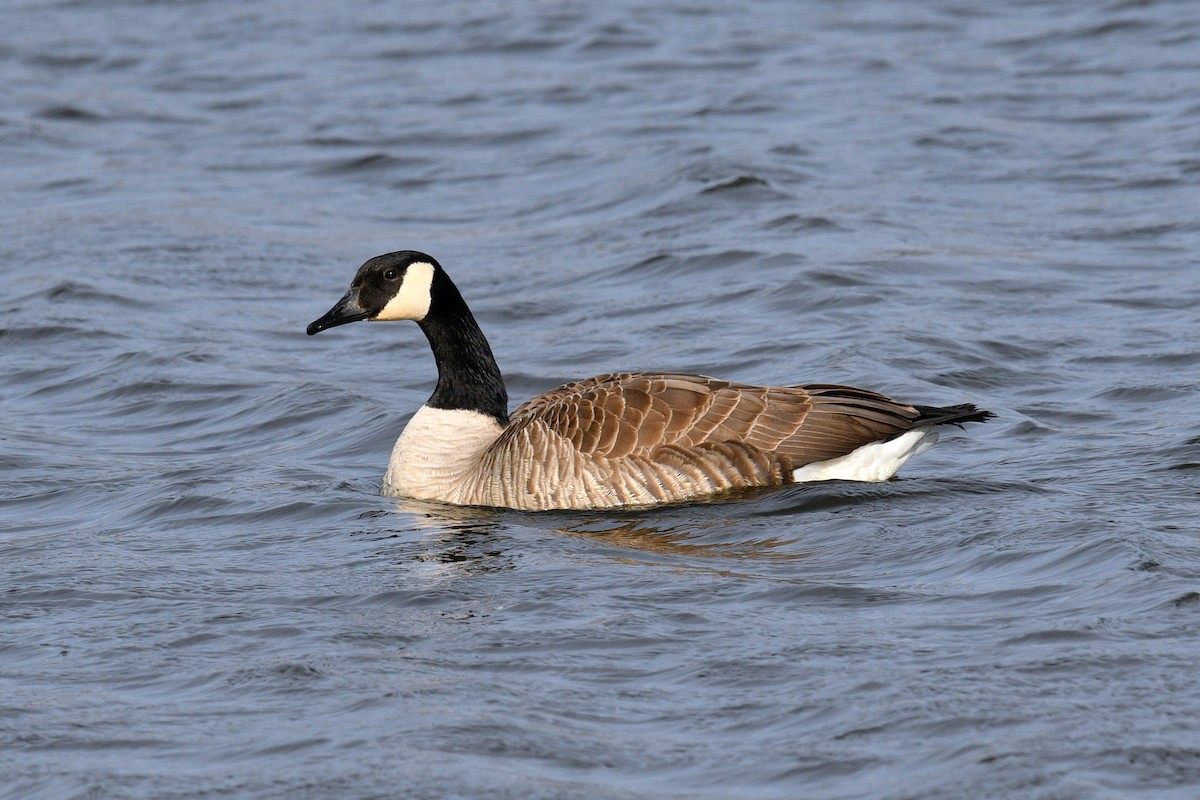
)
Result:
{"points": [[442, 540], [460, 533], [678, 539]]}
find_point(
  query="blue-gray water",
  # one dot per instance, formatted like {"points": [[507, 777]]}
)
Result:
{"points": [[203, 594]]}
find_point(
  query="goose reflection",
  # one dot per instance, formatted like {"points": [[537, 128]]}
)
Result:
{"points": [[478, 539], [652, 536]]}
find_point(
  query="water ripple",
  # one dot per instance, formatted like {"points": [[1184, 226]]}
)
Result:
{"points": [[948, 203]]}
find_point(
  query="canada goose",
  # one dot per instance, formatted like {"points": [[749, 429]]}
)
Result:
{"points": [[634, 438]]}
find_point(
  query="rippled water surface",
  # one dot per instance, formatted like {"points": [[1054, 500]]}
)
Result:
{"points": [[202, 592]]}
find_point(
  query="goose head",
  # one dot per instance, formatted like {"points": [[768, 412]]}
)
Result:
{"points": [[392, 286]]}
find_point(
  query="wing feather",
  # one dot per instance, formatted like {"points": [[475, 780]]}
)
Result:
{"points": [[624, 415]]}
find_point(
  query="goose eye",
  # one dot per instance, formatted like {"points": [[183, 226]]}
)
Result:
{"points": [[391, 275]]}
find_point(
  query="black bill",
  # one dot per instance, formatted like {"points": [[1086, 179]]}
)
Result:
{"points": [[346, 310]]}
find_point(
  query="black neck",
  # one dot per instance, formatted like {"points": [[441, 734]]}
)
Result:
{"points": [[468, 377]]}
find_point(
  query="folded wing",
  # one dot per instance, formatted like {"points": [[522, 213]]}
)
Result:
{"points": [[633, 414]]}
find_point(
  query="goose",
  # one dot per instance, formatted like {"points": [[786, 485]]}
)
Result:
{"points": [[623, 439]]}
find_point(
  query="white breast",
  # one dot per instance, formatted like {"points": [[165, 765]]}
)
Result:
{"points": [[436, 450], [876, 461]]}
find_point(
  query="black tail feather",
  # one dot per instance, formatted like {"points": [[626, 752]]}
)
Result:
{"points": [[950, 415]]}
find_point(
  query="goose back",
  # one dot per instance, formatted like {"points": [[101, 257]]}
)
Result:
{"points": [[641, 438]]}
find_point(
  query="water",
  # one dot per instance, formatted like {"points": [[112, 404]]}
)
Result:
{"points": [[203, 594]]}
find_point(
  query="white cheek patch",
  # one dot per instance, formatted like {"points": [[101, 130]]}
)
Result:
{"points": [[412, 301]]}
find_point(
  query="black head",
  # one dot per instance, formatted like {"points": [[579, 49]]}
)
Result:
{"points": [[393, 286]]}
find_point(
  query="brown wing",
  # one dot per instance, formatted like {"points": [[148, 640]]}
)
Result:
{"points": [[843, 419], [634, 414]]}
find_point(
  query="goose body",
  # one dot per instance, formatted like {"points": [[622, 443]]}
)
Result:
{"points": [[614, 440]]}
